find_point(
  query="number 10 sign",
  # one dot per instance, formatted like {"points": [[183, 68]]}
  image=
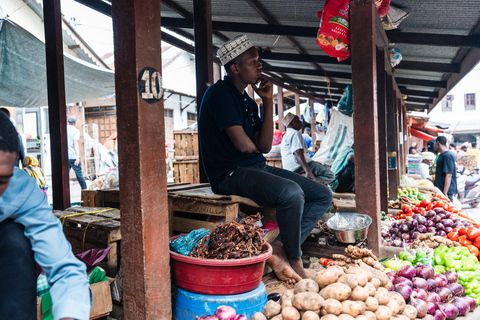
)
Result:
{"points": [[150, 85]]}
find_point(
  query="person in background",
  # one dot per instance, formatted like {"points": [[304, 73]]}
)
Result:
{"points": [[427, 162], [31, 234], [21, 153], [344, 170], [431, 145], [73, 135], [424, 149], [474, 152], [295, 155], [232, 139], [412, 150], [453, 150], [463, 151], [307, 136], [446, 170]]}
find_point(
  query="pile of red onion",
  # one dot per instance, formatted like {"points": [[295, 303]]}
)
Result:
{"points": [[224, 313], [436, 221], [435, 296]]}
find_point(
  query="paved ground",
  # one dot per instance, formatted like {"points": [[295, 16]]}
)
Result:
{"points": [[473, 212]]}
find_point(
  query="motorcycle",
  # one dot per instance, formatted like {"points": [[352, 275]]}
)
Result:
{"points": [[468, 184]]}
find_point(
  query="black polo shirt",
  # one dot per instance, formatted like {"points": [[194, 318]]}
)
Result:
{"points": [[224, 106], [446, 164]]}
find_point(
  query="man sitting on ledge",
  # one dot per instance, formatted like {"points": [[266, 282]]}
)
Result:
{"points": [[232, 140]]}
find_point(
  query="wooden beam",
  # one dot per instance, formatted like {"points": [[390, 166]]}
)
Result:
{"points": [[381, 56], [202, 10], [143, 183], [313, 129], [365, 115], [429, 39], [297, 104], [419, 93], [419, 100], [392, 140], [404, 65], [280, 107], [406, 81], [57, 112]]}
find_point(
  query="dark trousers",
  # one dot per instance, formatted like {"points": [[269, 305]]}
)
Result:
{"points": [[299, 202], [78, 173], [18, 281], [346, 180]]}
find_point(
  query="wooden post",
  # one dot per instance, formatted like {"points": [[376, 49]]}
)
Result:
{"points": [[312, 125], [365, 115], [392, 139], [143, 182], [280, 108], [382, 131], [202, 19], [297, 105], [57, 110]]}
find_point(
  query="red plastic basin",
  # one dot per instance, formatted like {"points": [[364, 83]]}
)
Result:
{"points": [[218, 277]]}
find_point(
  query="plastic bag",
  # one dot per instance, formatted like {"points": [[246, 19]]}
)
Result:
{"points": [[345, 105], [334, 31], [183, 245], [395, 56], [112, 179], [93, 257]]}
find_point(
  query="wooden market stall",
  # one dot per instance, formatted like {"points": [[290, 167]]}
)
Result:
{"points": [[379, 115]]}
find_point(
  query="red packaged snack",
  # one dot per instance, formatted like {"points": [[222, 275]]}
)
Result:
{"points": [[334, 32]]}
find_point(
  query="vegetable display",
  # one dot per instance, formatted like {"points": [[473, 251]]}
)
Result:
{"points": [[224, 313], [434, 296], [337, 293], [411, 193], [437, 221]]}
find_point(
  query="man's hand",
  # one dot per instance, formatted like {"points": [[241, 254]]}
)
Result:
{"points": [[265, 89], [77, 161], [310, 176]]}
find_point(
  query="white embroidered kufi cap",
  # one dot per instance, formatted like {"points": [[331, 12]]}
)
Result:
{"points": [[287, 119], [233, 48]]}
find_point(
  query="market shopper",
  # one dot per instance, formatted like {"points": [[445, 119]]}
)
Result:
{"points": [[427, 162], [232, 140], [295, 155], [29, 233], [446, 171], [344, 170], [307, 136], [74, 162]]}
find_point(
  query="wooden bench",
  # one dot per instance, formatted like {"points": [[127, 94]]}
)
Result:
{"points": [[111, 197], [274, 162], [201, 208], [345, 202]]}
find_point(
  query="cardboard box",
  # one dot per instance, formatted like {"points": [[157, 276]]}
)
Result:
{"points": [[101, 305]]}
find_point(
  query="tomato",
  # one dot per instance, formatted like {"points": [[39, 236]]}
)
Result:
{"points": [[464, 241], [327, 262], [409, 214], [453, 236], [408, 210], [476, 243], [473, 233], [462, 231], [429, 207], [473, 250], [402, 216], [405, 206], [423, 203]]}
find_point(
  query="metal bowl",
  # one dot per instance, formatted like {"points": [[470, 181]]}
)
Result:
{"points": [[349, 227]]}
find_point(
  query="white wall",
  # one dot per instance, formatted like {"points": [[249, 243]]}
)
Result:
{"points": [[469, 84]]}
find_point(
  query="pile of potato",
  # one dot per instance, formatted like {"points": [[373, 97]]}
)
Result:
{"points": [[356, 293]]}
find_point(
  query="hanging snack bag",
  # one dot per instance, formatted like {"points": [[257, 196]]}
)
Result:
{"points": [[334, 32]]}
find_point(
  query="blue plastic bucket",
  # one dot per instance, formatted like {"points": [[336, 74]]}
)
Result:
{"points": [[188, 305]]}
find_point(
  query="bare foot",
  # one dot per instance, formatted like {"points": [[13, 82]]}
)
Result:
{"points": [[280, 266], [297, 266]]}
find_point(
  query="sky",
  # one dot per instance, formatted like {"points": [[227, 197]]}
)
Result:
{"points": [[95, 28]]}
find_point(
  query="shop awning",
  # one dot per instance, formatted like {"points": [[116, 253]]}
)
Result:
{"points": [[421, 135], [23, 75]]}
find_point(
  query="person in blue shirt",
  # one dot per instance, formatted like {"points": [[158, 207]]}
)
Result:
{"points": [[306, 136], [30, 234], [73, 136], [232, 139]]}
